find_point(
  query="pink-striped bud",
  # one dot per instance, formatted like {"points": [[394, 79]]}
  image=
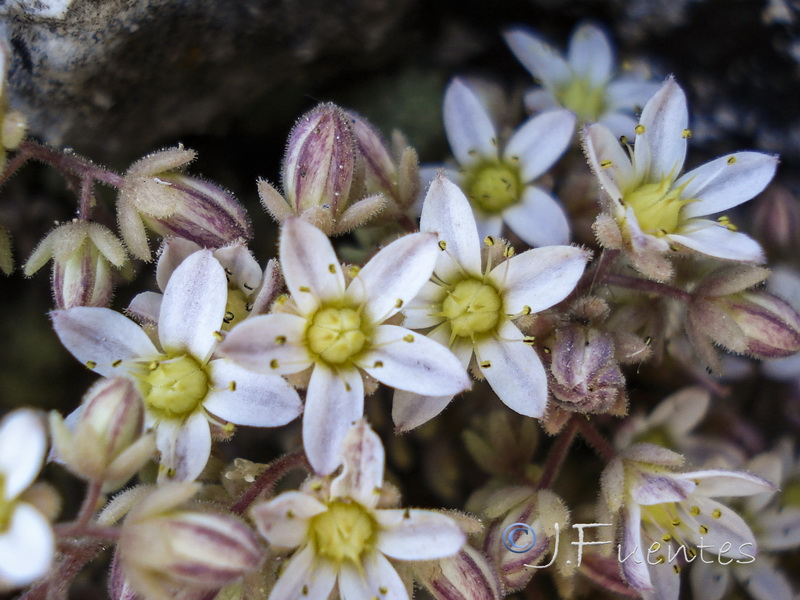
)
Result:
{"points": [[467, 575], [83, 254]]}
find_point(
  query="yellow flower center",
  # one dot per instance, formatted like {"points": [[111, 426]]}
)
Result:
{"points": [[494, 186], [336, 335], [657, 206], [6, 506], [472, 308], [587, 102], [175, 386], [346, 531], [236, 308]]}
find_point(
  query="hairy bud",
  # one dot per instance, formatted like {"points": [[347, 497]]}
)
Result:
{"points": [[105, 441], [465, 576], [776, 221], [157, 196], [83, 254]]}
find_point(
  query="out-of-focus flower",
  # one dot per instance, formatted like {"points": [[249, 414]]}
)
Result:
{"points": [[27, 543], [105, 441], [341, 534], [499, 179], [583, 83], [649, 210], [471, 307], [82, 254], [321, 173], [339, 329], [156, 195], [667, 516], [166, 551], [185, 388], [13, 125], [250, 292]]}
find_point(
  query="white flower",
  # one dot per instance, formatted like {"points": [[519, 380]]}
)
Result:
{"points": [[183, 385], [471, 307], [500, 182], [584, 83], [26, 539], [666, 514], [657, 211], [342, 535], [339, 330]]}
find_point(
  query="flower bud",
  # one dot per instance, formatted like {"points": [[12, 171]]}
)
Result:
{"points": [[104, 441], [776, 221], [465, 576], [163, 548], [82, 255], [587, 378], [170, 203]]}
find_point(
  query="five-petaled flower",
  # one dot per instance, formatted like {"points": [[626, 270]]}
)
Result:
{"points": [[655, 210], [339, 329], [341, 534], [185, 388], [471, 306], [26, 540], [500, 185], [583, 83], [667, 516]]}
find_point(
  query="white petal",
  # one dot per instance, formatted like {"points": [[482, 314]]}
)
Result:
{"points": [[779, 529], [609, 161], [378, 579], [541, 60], [729, 535], [713, 239], [726, 182], [283, 521], [363, 460], [468, 126], [540, 142], [630, 94], [447, 212], [310, 266], [660, 150], [657, 489], [539, 219], [634, 568], [709, 581], [590, 54], [417, 534], [193, 306], [514, 371], [394, 275], [305, 577], [539, 278], [718, 482], [666, 582], [146, 306], [488, 225], [243, 268], [767, 582], [26, 547], [185, 447], [420, 312], [540, 100], [619, 124], [99, 337], [268, 344], [245, 398], [333, 402], [23, 443], [174, 251], [407, 360]]}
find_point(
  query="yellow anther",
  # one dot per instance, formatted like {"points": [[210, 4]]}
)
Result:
{"points": [[676, 522], [273, 364], [489, 241], [91, 364], [232, 386], [378, 364], [623, 139], [354, 270], [398, 304], [305, 288], [332, 268], [408, 338], [703, 529], [218, 336], [686, 134], [676, 569], [529, 339], [717, 513], [116, 363], [509, 251], [666, 537], [280, 340], [694, 511], [605, 164], [442, 245], [290, 514], [731, 160], [526, 310], [486, 364]]}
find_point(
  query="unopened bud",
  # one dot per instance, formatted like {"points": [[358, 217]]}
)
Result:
{"points": [[105, 441], [164, 548], [467, 575], [83, 254], [586, 375], [155, 195], [776, 221]]}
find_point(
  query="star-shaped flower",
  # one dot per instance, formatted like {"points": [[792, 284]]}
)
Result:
{"points": [[339, 329], [343, 536], [583, 83], [654, 209], [666, 515], [500, 180], [471, 307], [184, 386], [26, 539]]}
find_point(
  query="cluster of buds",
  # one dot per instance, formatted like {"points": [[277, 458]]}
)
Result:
{"points": [[726, 310], [338, 173], [156, 195]]}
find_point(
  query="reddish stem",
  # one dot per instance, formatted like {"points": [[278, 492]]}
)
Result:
{"points": [[69, 163], [558, 454], [646, 286], [600, 444], [269, 478]]}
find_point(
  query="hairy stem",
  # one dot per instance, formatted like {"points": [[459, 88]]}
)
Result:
{"points": [[69, 163], [558, 454], [269, 478], [646, 286], [595, 439]]}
